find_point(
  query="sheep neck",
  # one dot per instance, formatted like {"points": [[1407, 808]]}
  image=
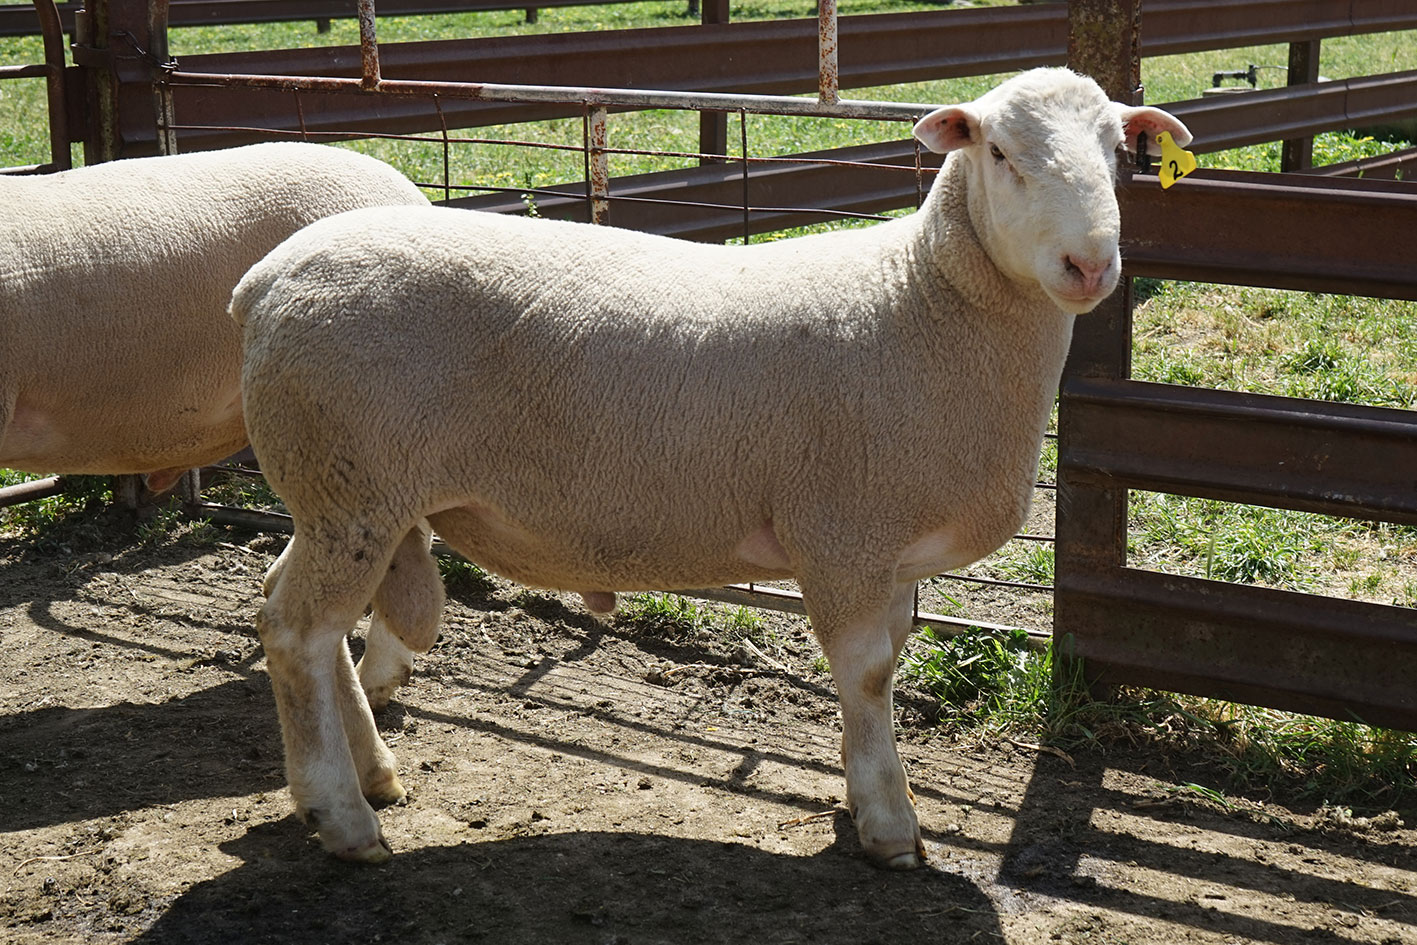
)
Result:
{"points": [[955, 250]]}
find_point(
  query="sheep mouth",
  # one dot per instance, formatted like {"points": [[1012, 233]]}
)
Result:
{"points": [[1079, 303]]}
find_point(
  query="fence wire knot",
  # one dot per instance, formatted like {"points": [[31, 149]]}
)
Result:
{"points": [[167, 66]]}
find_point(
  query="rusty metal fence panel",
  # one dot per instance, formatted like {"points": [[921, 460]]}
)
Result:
{"points": [[776, 57], [1345, 659]]}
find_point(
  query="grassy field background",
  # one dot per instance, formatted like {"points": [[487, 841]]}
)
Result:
{"points": [[1298, 344]]}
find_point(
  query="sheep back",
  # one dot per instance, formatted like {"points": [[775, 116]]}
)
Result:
{"points": [[116, 353]]}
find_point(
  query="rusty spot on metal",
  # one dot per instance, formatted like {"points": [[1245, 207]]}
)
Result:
{"points": [[598, 162], [368, 45], [828, 73]]}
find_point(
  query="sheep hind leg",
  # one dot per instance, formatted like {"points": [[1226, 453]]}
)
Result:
{"points": [[333, 752], [407, 608], [862, 651]]}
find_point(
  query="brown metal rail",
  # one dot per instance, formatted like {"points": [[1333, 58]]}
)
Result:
{"points": [[1345, 659], [778, 57], [18, 20]]}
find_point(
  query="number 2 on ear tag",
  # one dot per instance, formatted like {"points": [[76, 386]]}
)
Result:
{"points": [[1176, 162]]}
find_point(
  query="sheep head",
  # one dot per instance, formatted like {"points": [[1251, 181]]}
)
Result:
{"points": [[1040, 153]]}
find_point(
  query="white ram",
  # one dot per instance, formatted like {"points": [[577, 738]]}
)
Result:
{"points": [[597, 410], [116, 351]]}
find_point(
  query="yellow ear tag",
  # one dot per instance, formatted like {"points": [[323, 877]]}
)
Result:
{"points": [[1176, 162]]}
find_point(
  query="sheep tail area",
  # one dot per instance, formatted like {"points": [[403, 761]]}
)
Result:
{"points": [[250, 290]]}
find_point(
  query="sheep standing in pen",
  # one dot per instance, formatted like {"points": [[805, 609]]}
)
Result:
{"points": [[596, 410], [116, 351]]}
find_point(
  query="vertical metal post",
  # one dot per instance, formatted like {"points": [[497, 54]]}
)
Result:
{"points": [[368, 45], [1298, 153], [713, 126], [52, 31], [92, 27], [599, 162], [1104, 41], [163, 111], [828, 76], [743, 146]]}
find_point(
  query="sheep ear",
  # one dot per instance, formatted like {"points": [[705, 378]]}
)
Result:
{"points": [[948, 129], [1138, 120]]}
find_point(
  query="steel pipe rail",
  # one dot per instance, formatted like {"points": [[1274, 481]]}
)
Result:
{"points": [[45, 16], [563, 95], [22, 492]]}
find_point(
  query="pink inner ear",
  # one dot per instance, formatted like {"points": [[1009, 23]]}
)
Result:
{"points": [[1151, 122], [947, 129]]}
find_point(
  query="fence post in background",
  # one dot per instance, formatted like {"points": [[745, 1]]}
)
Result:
{"points": [[163, 112], [713, 126], [1104, 41], [598, 162], [368, 44], [52, 30], [1298, 153], [92, 53], [828, 74]]}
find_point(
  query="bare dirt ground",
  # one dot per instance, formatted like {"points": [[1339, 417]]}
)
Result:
{"points": [[575, 782]]}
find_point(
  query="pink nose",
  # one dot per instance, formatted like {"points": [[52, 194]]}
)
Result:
{"points": [[1090, 275]]}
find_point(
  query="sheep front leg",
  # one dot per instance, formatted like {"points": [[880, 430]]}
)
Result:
{"points": [[332, 751], [862, 651]]}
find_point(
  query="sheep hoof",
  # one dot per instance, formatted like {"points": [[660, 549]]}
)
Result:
{"points": [[380, 696], [374, 853], [902, 861], [385, 790]]}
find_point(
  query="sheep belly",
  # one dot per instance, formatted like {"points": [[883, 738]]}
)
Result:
{"points": [[568, 561]]}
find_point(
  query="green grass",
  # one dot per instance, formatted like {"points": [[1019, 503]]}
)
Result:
{"points": [[992, 686], [32, 518], [981, 679], [678, 617]]}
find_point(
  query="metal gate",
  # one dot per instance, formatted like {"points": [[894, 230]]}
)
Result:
{"points": [[1340, 658]]}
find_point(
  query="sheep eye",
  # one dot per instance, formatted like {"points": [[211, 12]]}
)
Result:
{"points": [[998, 155]]}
